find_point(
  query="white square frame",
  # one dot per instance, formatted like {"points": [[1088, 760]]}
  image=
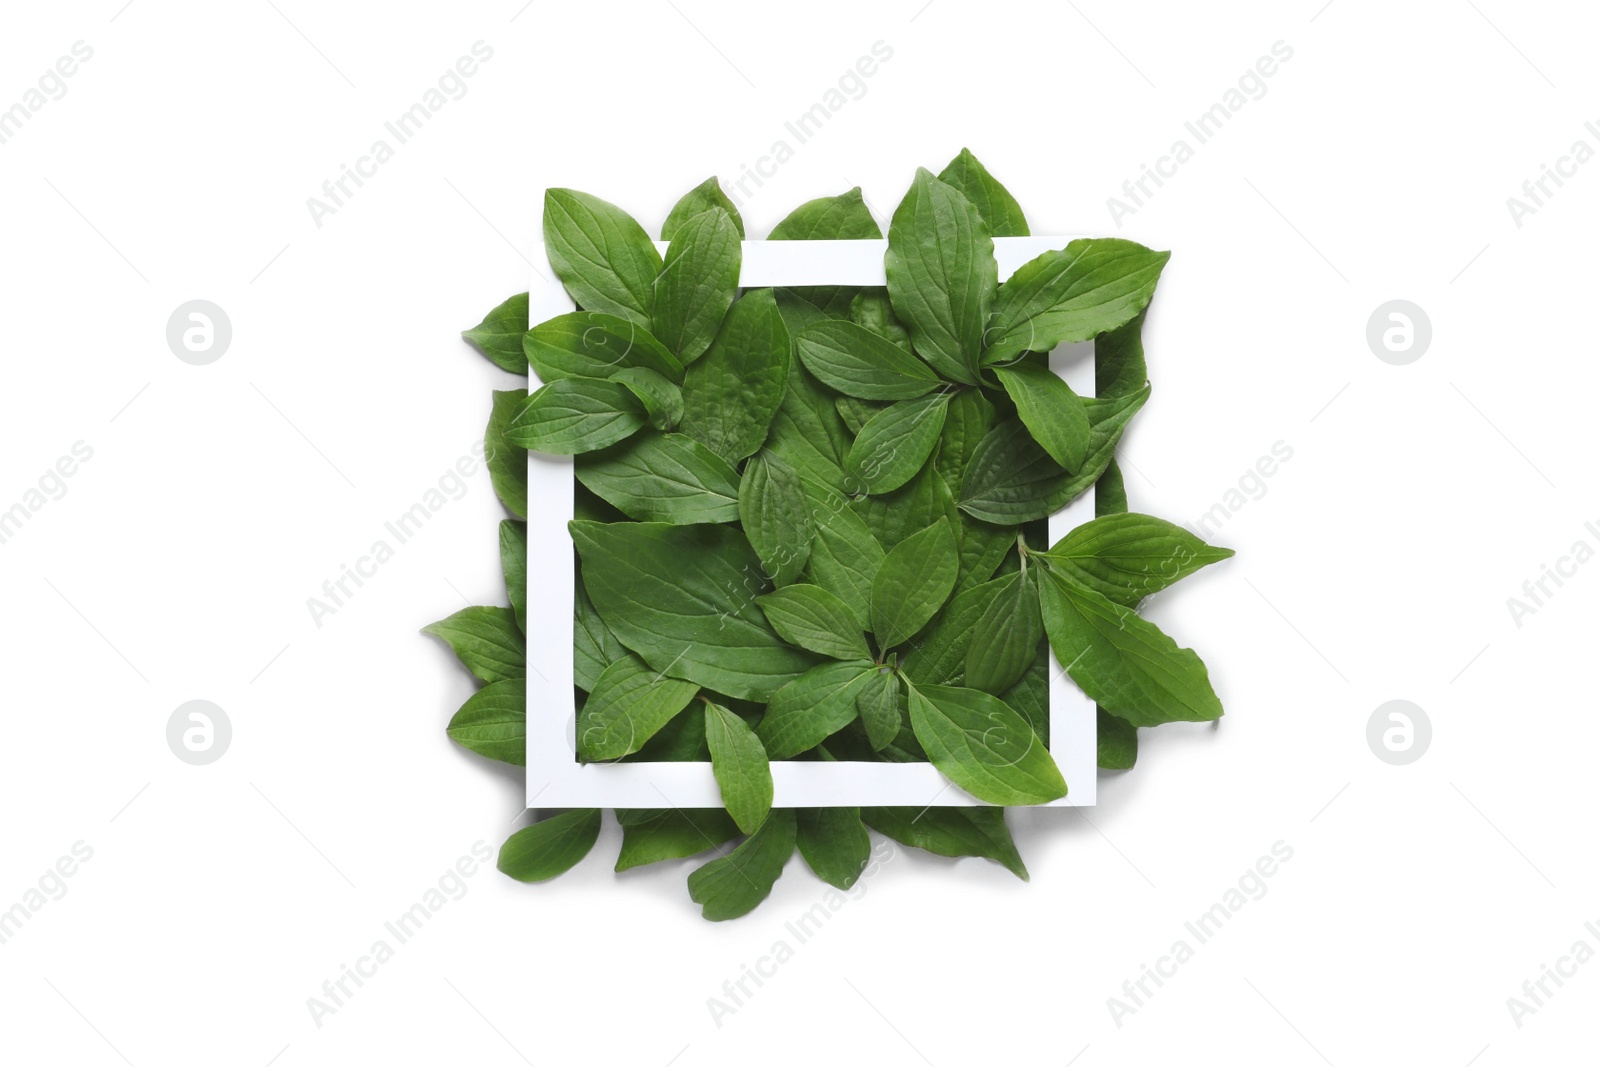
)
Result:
{"points": [[556, 779]]}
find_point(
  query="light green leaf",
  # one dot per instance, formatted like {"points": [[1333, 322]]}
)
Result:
{"points": [[814, 619], [698, 281], [662, 401], [1012, 480], [551, 847], [895, 444], [589, 344], [1050, 410], [983, 746], [1006, 635], [486, 640], [499, 335], [507, 462], [1127, 557], [845, 559], [739, 764], [999, 209], [630, 702], [703, 197], [732, 886], [514, 566], [834, 843], [914, 582], [1095, 284], [942, 275], [732, 392], [663, 478], [950, 832], [575, 415], [493, 722], [604, 258], [776, 517], [1125, 664], [859, 363], [683, 598], [1118, 742], [650, 836], [879, 703], [813, 707]]}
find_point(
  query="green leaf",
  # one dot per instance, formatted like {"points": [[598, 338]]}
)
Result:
{"points": [[817, 621], [983, 746], [879, 703], [914, 582], [551, 847], [871, 310], [895, 444], [807, 431], [813, 707], [604, 258], [499, 335], [486, 640], [1095, 284], [650, 836], [1006, 635], [1050, 410], [514, 565], [950, 832], [859, 363], [845, 559], [856, 412], [894, 516], [663, 478], [983, 546], [589, 344], [594, 646], [1110, 495], [968, 418], [681, 740], [776, 517], [575, 415], [834, 843], [698, 281], [1119, 367], [998, 208], [1127, 557], [630, 703], [1125, 664], [1030, 697], [739, 764], [942, 275], [940, 657], [493, 722], [1012, 480], [732, 392], [829, 218], [507, 462], [1118, 742], [703, 197], [662, 401], [732, 886], [683, 598]]}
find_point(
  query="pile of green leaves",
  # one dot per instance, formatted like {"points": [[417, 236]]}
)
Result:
{"points": [[810, 524]]}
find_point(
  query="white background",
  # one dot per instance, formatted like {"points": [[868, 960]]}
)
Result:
{"points": [[1376, 565]]}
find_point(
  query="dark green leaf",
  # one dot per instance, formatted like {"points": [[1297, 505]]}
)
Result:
{"points": [[1094, 285], [574, 415], [940, 656], [1118, 742], [650, 836], [856, 412], [682, 740], [630, 702], [895, 444], [1050, 410], [845, 559], [1125, 664], [829, 218], [740, 765], [486, 640], [968, 418], [925, 499], [1030, 697], [663, 478], [698, 281], [662, 401], [1110, 495], [551, 847], [914, 582], [732, 886], [999, 209], [776, 517], [1119, 359], [834, 843], [814, 619], [813, 707], [499, 335], [942, 275], [983, 546], [594, 646], [514, 565], [879, 703], [732, 392], [507, 462], [604, 258], [589, 344], [871, 310], [859, 363], [493, 722], [983, 746], [703, 197], [1007, 635], [1127, 557], [683, 598], [950, 832]]}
